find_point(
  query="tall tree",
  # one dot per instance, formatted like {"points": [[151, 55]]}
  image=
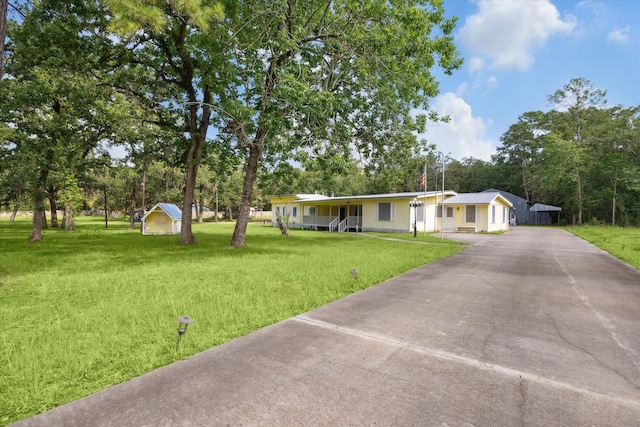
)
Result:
{"points": [[178, 42], [520, 152], [575, 102], [320, 74], [54, 105]]}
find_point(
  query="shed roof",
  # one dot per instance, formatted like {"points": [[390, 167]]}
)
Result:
{"points": [[541, 207], [476, 199], [169, 208]]}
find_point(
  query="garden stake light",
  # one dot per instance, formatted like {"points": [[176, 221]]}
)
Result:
{"points": [[185, 321]]}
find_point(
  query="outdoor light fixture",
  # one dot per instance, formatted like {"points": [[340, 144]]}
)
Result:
{"points": [[414, 204], [185, 321]]}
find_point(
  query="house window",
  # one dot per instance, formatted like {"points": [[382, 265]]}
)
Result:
{"points": [[449, 212], [420, 212], [493, 214], [385, 211], [294, 212], [471, 213], [312, 210], [439, 211]]}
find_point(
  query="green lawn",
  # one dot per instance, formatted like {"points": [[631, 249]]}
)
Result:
{"points": [[85, 310], [623, 243]]}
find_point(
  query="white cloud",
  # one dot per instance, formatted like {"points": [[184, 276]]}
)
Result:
{"points": [[462, 89], [475, 64], [492, 82], [463, 136], [619, 35], [507, 32]]}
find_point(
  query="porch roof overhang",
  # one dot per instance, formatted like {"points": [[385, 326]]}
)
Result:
{"points": [[483, 198], [313, 198]]}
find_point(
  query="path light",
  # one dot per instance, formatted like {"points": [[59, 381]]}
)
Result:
{"points": [[414, 204], [185, 321]]}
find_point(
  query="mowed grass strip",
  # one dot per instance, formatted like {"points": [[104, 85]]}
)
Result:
{"points": [[623, 243], [85, 310]]}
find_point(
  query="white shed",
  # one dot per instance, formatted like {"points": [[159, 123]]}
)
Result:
{"points": [[163, 218]]}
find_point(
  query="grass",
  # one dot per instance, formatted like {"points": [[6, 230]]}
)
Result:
{"points": [[623, 243], [82, 311], [420, 237]]}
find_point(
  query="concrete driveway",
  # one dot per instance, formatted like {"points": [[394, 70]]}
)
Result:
{"points": [[531, 328]]}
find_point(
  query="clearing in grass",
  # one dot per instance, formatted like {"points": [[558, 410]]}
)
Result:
{"points": [[85, 310]]}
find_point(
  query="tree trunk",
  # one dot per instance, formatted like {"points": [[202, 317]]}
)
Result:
{"points": [[579, 197], [200, 205], [54, 207], [186, 235], [69, 222], [38, 210], [106, 208], [613, 203], [3, 32], [255, 155], [16, 208], [144, 187], [524, 184], [132, 212]]}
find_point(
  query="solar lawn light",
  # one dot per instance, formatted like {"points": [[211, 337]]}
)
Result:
{"points": [[184, 321]]}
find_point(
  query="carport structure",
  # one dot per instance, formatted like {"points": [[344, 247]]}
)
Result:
{"points": [[543, 213]]}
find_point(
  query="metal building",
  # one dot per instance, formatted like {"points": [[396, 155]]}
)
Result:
{"points": [[524, 212]]}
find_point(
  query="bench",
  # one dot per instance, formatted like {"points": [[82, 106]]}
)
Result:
{"points": [[467, 229]]}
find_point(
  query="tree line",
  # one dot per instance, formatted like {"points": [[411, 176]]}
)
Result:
{"points": [[247, 84], [236, 101]]}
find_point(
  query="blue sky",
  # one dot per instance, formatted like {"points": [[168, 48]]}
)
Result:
{"points": [[517, 52]]}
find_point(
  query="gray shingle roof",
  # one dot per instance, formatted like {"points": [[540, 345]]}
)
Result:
{"points": [[316, 197], [473, 198]]}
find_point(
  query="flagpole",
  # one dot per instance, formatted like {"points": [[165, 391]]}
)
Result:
{"points": [[442, 202], [424, 212]]}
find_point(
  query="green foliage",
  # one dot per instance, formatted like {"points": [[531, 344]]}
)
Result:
{"points": [[101, 306]]}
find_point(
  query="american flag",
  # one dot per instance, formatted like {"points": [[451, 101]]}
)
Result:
{"points": [[423, 179]]}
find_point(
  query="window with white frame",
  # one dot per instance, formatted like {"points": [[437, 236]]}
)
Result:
{"points": [[385, 211], [470, 213], [294, 212], [493, 214], [439, 211], [313, 210], [449, 211], [420, 210]]}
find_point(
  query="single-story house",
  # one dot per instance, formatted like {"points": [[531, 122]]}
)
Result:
{"points": [[395, 212], [476, 212], [373, 212], [163, 218]]}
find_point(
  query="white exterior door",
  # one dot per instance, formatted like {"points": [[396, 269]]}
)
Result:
{"points": [[448, 218]]}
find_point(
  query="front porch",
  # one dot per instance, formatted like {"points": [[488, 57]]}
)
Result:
{"points": [[332, 223]]}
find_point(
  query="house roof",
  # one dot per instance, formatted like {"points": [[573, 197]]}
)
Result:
{"points": [[476, 199], [408, 195], [541, 207], [169, 208]]}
